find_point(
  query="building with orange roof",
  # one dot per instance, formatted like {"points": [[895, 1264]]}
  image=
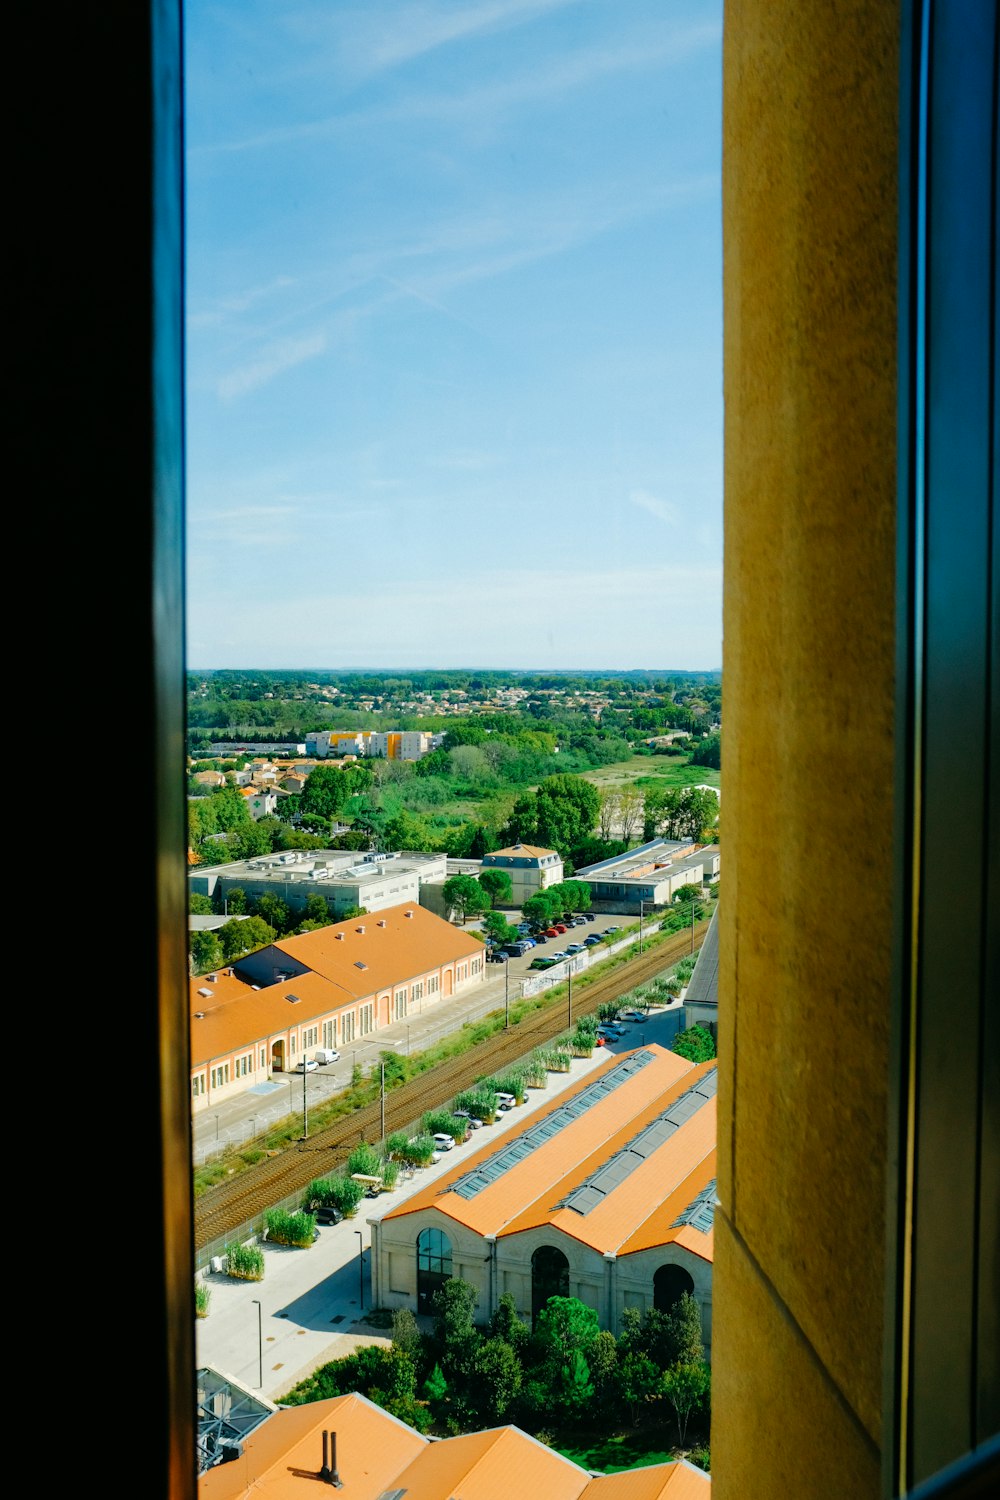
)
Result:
{"points": [[327, 988], [606, 1194], [348, 1443]]}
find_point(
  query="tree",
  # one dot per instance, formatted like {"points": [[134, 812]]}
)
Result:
{"points": [[206, 952], [406, 1335], [708, 752], [464, 893], [566, 809], [696, 1044], [690, 813], [685, 1387], [608, 815], [235, 903], [328, 789], [630, 804], [317, 909], [506, 1324], [455, 1335], [273, 911], [496, 926], [199, 905], [496, 1380], [245, 936], [498, 887], [639, 1381]]}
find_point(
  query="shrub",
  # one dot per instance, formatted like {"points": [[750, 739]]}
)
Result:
{"points": [[419, 1150], [441, 1122], [347, 1194], [396, 1144], [202, 1298], [389, 1172], [480, 1103], [366, 1159], [245, 1262], [283, 1228]]}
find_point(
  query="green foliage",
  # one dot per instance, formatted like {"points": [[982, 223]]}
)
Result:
{"points": [[245, 936], [498, 886], [441, 1122], [695, 1043], [686, 1386], [200, 905], [364, 1158], [202, 1298], [496, 926], [708, 752], [455, 1336], [464, 894], [419, 1150], [245, 1262], [283, 1228], [481, 1104], [206, 952], [406, 1336]]}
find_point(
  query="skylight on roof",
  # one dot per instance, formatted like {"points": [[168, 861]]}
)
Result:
{"points": [[359, 965], [495, 1166]]}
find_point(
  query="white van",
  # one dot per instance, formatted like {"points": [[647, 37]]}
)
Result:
{"points": [[327, 1055]]}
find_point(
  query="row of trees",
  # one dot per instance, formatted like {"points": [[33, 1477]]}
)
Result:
{"points": [[566, 1373]]}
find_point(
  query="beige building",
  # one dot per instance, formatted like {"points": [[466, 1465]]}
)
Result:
{"points": [[530, 868], [328, 988], [606, 1194]]}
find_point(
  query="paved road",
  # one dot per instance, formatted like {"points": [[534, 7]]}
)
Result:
{"points": [[311, 1306]]}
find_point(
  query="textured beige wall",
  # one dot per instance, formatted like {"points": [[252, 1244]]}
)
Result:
{"points": [[810, 149]]}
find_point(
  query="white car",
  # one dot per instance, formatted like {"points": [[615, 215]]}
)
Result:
{"points": [[308, 1065], [443, 1141], [327, 1055]]}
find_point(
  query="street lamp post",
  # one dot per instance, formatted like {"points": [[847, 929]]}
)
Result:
{"points": [[382, 1136], [641, 905], [361, 1268], [506, 995], [305, 1107], [260, 1348], [569, 997]]}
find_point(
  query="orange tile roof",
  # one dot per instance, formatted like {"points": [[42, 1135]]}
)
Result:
{"points": [[636, 1213], [396, 944], [531, 850], [677, 1481], [236, 1015], [378, 1454], [493, 1465], [282, 1457]]}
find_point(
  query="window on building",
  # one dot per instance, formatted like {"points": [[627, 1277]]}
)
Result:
{"points": [[549, 1278], [434, 1266]]}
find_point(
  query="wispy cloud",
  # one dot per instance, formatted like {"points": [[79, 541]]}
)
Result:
{"points": [[273, 361], [483, 106], [419, 29], [663, 510], [213, 316]]}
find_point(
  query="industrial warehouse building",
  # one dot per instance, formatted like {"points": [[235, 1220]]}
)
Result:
{"points": [[327, 988], [607, 1195]]}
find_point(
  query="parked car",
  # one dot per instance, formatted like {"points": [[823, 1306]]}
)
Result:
{"points": [[326, 1214], [496, 956], [542, 963], [578, 922], [575, 948], [592, 942], [324, 1055], [550, 932], [558, 957], [612, 929], [613, 1032], [589, 916], [472, 1121], [443, 1141], [307, 1065], [517, 950], [560, 928], [505, 1101], [633, 1015]]}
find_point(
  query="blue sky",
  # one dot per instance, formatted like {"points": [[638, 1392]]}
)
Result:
{"points": [[454, 333]]}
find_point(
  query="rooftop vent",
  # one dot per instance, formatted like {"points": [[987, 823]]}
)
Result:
{"points": [[340, 936], [359, 965], [293, 999], [381, 922], [207, 993], [359, 929], [407, 914], [211, 978], [199, 1015]]}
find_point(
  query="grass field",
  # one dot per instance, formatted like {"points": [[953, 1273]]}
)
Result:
{"points": [[635, 1448], [646, 771]]}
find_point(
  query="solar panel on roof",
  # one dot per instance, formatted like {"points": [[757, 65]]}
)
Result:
{"points": [[700, 1213], [624, 1162], [489, 1171]]}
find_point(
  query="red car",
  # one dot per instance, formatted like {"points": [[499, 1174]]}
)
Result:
{"points": [[558, 927]]}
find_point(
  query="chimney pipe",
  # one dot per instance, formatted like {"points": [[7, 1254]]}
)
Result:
{"points": [[324, 1472], [335, 1478]]}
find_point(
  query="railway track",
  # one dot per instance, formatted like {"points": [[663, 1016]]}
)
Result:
{"points": [[228, 1208]]}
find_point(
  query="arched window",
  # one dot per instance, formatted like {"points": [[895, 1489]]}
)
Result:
{"points": [[549, 1278], [669, 1285], [433, 1266]]}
